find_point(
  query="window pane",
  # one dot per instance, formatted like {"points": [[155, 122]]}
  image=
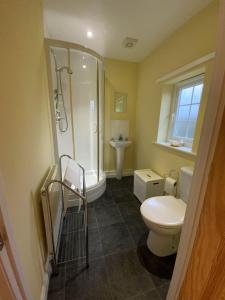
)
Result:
{"points": [[187, 109], [183, 113], [191, 130], [180, 129], [197, 93], [185, 95], [194, 112]]}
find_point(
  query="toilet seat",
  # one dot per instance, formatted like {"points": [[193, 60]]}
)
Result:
{"points": [[164, 211]]}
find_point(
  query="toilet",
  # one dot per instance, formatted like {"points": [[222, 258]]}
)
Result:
{"points": [[164, 216]]}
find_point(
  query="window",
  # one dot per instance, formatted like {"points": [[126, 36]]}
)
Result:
{"points": [[185, 110]]}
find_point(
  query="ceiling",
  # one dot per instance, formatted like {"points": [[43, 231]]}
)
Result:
{"points": [[111, 21]]}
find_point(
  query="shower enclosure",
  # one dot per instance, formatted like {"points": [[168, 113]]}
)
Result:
{"points": [[76, 97]]}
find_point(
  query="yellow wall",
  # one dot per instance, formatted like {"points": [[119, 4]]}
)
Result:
{"points": [[193, 40], [25, 152], [120, 76]]}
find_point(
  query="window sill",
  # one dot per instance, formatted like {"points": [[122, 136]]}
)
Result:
{"points": [[181, 150]]}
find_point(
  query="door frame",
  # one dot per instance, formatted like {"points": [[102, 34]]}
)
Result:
{"points": [[10, 258], [209, 135]]}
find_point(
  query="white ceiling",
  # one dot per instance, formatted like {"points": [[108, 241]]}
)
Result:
{"points": [[150, 21]]}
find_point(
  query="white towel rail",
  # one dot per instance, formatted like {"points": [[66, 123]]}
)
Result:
{"points": [[68, 182]]}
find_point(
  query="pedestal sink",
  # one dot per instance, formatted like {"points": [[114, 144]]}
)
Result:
{"points": [[120, 148]]}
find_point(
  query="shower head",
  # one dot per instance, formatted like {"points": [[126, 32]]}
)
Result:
{"points": [[69, 71]]}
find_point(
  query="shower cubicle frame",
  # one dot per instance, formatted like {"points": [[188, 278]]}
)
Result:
{"points": [[68, 45]]}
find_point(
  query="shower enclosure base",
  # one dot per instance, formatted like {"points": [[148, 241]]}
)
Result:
{"points": [[95, 190]]}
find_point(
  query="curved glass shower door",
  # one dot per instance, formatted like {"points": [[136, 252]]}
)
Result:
{"points": [[85, 112]]}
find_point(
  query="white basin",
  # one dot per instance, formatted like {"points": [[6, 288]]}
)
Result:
{"points": [[120, 144], [120, 147]]}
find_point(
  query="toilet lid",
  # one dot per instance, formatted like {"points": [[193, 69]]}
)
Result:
{"points": [[164, 211]]}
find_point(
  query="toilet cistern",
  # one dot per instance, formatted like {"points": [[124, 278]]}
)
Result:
{"points": [[120, 146]]}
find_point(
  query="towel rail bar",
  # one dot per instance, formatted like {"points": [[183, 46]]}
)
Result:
{"points": [[82, 196]]}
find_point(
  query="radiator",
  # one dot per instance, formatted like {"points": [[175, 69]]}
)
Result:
{"points": [[56, 209]]}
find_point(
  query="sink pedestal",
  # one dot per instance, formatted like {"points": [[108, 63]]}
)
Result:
{"points": [[119, 162], [120, 148]]}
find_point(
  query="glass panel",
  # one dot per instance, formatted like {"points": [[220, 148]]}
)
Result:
{"points": [[197, 93], [180, 129], [84, 102], [194, 112], [191, 130], [101, 118], [61, 100], [187, 111], [183, 113], [185, 95]]}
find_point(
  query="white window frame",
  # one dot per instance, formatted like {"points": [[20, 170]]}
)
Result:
{"points": [[187, 142]]}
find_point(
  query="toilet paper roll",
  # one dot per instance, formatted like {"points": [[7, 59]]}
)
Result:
{"points": [[170, 184]]}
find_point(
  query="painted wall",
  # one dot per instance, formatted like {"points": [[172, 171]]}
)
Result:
{"points": [[25, 152], [193, 40], [120, 76]]}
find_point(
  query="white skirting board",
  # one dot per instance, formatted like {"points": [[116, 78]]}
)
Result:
{"points": [[112, 173]]}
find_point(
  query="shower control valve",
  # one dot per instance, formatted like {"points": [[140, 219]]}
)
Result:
{"points": [[58, 116]]}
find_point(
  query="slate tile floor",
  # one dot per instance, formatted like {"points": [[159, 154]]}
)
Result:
{"points": [[119, 267]]}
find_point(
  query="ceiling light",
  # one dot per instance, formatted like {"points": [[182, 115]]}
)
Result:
{"points": [[84, 66], [89, 34]]}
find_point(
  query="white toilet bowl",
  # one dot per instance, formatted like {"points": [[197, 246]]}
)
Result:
{"points": [[164, 216]]}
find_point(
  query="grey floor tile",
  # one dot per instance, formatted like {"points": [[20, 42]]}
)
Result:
{"points": [[57, 295], [95, 244], [130, 286], [75, 246], [73, 222], [62, 248], [130, 211], [57, 282], [113, 183], [150, 295], [163, 290], [104, 201], [126, 275], [107, 194], [124, 264], [116, 238], [108, 215], [159, 281], [122, 195], [87, 284], [126, 182], [138, 231], [92, 219], [161, 268], [72, 246]]}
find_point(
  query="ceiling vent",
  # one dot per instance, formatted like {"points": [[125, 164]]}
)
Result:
{"points": [[129, 42]]}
